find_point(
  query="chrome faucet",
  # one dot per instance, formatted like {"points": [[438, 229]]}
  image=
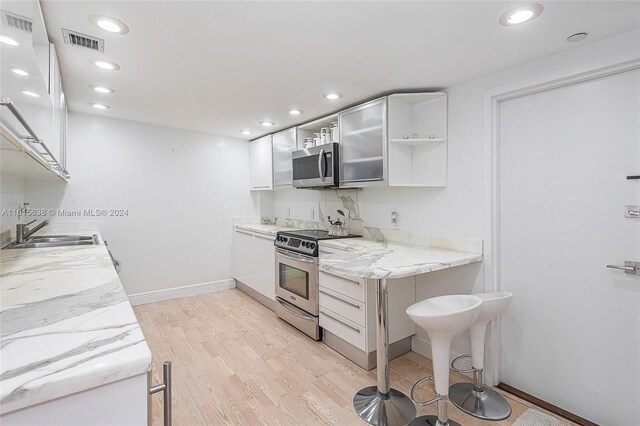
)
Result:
{"points": [[23, 233]]}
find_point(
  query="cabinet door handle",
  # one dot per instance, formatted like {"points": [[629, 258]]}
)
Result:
{"points": [[261, 187], [341, 299], [264, 237], [244, 232], [357, 330], [165, 387], [343, 278]]}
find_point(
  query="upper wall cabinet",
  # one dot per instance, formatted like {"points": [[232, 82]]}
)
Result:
{"points": [[417, 139], [396, 140], [260, 162], [284, 143], [31, 89], [363, 145]]}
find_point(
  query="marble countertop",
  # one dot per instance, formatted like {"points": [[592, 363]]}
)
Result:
{"points": [[270, 230], [365, 258], [67, 325]]}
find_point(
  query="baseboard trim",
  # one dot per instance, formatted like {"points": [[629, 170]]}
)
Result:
{"points": [[258, 297], [366, 360], [178, 292], [423, 347], [546, 405]]}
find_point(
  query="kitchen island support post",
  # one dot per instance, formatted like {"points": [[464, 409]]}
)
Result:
{"points": [[382, 405]]}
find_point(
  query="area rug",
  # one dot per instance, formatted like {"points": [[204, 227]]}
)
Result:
{"points": [[533, 417]]}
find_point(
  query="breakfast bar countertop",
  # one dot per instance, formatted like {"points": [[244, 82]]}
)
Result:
{"points": [[67, 325], [366, 258]]}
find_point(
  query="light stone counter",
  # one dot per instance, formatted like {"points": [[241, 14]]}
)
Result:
{"points": [[66, 324], [365, 258], [270, 230]]}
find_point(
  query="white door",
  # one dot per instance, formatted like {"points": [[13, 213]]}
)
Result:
{"points": [[572, 335]]}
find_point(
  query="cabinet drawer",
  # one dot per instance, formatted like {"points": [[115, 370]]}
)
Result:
{"points": [[343, 328], [345, 306], [348, 287]]}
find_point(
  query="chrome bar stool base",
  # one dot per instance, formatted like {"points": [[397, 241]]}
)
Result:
{"points": [[431, 421], [484, 403], [395, 409]]}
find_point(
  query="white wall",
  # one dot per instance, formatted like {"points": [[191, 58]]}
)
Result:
{"points": [[458, 209], [11, 197], [181, 189]]}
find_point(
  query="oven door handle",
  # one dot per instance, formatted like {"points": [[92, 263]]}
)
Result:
{"points": [[294, 310], [320, 163], [295, 258]]}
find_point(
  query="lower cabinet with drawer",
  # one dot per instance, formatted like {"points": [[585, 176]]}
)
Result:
{"points": [[348, 316]]}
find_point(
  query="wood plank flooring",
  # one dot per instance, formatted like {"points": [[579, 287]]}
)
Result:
{"points": [[235, 362]]}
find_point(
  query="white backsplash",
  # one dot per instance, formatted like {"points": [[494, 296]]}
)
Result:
{"points": [[351, 202]]}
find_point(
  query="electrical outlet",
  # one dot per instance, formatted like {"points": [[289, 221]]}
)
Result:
{"points": [[394, 218]]}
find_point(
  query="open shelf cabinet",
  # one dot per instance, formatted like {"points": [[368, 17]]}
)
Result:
{"points": [[417, 132]]}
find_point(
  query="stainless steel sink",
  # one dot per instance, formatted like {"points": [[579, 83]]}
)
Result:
{"points": [[55, 241]]}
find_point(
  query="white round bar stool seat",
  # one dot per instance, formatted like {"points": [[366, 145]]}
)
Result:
{"points": [[474, 398], [442, 318]]}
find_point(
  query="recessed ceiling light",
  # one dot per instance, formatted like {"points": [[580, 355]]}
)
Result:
{"points": [[30, 93], [104, 64], [100, 106], [577, 37], [245, 132], [332, 96], [521, 14], [295, 112], [102, 89], [109, 24], [266, 123], [8, 40], [18, 71]]}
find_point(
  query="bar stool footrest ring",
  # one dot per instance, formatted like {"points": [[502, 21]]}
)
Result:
{"points": [[454, 368], [424, 403]]}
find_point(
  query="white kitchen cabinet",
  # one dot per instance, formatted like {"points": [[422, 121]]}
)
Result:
{"points": [[363, 145], [417, 132], [124, 402], [284, 143], [45, 111], [58, 136], [348, 316], [260, 161], [253, 265]]}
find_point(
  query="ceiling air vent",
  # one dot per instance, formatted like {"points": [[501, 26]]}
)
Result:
{"points": [[16, 21], [82, 40]]}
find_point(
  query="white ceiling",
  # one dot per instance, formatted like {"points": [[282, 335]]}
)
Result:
{"points": [[220, 67]]}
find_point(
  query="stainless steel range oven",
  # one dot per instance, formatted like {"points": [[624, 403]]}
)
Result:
{"points": [[297, 291], [297, 278]]}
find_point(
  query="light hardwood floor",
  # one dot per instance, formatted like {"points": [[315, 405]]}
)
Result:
{"points": [[235, 362]]}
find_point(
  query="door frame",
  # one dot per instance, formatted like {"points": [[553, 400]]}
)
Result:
{"points": [[492, 98]]}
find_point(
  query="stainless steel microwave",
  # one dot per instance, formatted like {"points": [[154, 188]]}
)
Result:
{"points": [[316, 167]]}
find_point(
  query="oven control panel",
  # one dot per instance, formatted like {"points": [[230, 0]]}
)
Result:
{"points": [[297, 245]]}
